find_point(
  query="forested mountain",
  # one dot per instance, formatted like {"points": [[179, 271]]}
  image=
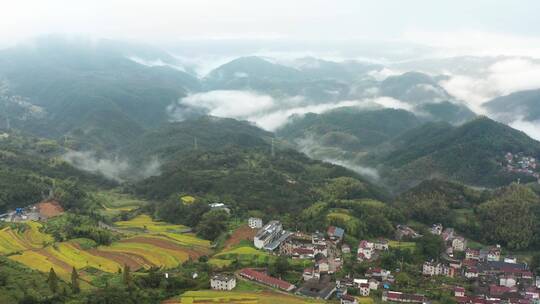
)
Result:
{"points": [[206, 133], [520, 105], [233, 160], [413, 87], [250, 179], [472, 153], [351, 129], [86, 91], [489, 216], [261, 75], [30, 168]]}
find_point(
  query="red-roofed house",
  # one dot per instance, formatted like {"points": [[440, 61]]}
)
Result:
{"points": [[364, 289], [459, 291], [347, 299], [394, 296], [265, 279]]}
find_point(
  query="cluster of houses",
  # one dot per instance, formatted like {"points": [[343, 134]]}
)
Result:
{"points": [[496, 279], [374, 279], [519, 163], [406, 232], [369, 251]]}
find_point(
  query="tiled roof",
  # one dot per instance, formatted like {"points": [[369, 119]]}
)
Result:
{"points": [[265, 279]]}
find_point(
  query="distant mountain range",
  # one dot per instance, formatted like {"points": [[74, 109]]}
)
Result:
{"points": [[114, 99], [520, 105]]}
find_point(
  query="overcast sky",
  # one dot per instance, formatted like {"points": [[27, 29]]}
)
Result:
{"points": [[495, 26]]}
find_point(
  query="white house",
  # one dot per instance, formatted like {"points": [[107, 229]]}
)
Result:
{"points": [[508, 281], [223, 282], [459, 244], [364, 289], [255, 223]]}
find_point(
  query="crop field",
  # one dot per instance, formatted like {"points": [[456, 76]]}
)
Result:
{"points": [[262, 297], [402, 245], [365, 300], [159, 245], [343, 219], [114, 203], [145, 223], [187, 199], [14, 240]]}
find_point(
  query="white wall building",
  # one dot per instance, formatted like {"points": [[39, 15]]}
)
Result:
{"points": [[223, 282], [255, 223]]}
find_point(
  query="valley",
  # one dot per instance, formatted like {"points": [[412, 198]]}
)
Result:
{"points": [[263, 181]]}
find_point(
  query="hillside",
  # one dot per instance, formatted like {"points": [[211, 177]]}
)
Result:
{"points": [[350, 129], [413, 87], [29, 169], [472, 153], [261, 75], [204, 133], [67, 86], [523, 104]]}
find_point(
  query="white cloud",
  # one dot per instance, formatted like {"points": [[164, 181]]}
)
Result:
{"points": [[392, 103], [113, 168], [384, 73], [502, 78], [157, 62], [532, 128], [266, 111], [475, 43], [235, 104]]}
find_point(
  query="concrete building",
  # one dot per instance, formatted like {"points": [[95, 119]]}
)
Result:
{"points": [[267, 234], [255, 223], [223, 282]]}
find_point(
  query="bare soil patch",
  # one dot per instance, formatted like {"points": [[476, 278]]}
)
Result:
{"points": [[244, 233]]}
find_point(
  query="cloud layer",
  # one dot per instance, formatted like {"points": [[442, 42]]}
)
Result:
{"points": [[116, 169], [266, 111], [502, 78]]}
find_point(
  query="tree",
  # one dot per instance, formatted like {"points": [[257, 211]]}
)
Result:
{"points": [[535, 263], [75, 281], [280, 266], [430, 246], [212, 224], [126, 275], [52, 280]]}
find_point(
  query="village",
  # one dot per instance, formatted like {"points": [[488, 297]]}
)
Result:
{"points": [[522, 164], [490, 277]]}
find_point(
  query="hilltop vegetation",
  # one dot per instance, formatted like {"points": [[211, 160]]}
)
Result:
{"points": [[471, 153], [522, 104], [506, 216], [248, 179], [29, 167]]}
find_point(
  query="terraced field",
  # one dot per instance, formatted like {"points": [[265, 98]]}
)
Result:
{"points": [[155, 244], [25, 237], [263, 297], [114, 203], [147, 224]]}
